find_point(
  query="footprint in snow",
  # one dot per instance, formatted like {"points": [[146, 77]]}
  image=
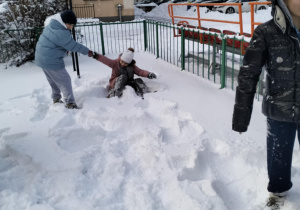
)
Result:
{"points": [[15, 136], [41, 112], [43, 101], [3, 130]]}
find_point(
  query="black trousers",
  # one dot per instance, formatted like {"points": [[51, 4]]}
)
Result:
{"points": [[137, 84], [280, 144]]}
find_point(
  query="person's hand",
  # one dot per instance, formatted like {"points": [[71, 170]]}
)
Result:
{"points": [[95, 55], [151, 75], [90, 53], [238, 128]]}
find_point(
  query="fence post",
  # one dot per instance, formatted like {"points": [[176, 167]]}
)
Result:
{"points": [[2, 50], [157, 47], [182, 49], [214, 57], [102, 39], [145, 35], [223, 76]]}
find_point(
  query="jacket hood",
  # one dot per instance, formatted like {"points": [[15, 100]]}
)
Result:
{"points": [[281, 15], [56, 17]]}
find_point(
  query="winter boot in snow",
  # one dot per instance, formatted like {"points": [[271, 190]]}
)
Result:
{"points": [[113, 93], [139, 87], [58, 101], [275, 201], [119, 87], [71, 106]]}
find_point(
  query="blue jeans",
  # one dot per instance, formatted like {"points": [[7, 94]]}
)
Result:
{"points": [[280, 144]]}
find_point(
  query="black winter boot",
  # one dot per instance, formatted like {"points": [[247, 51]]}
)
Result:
{"points": [[119, 87], [71, 106], [59, 101]]}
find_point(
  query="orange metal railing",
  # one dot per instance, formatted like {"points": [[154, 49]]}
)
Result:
{"points": [[240, 22], [199, 19], [252, 14]]}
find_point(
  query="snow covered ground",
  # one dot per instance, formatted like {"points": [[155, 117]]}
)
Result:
{"points": [[174, 150]]}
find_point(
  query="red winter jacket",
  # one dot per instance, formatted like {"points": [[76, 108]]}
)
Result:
{"points": [[117, 69]]}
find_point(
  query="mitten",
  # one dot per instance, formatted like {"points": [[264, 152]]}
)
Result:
{"points": [[90, 53], [95, 55], [151, 75]]}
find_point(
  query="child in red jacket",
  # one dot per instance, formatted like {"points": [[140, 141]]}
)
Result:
{"points": [[123, 70]]}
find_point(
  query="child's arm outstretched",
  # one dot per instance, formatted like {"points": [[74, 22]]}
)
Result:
{"points": [[143, 73], [103, 59]]}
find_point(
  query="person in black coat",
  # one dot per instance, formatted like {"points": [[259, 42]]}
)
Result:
{"points": [[275, 45]]}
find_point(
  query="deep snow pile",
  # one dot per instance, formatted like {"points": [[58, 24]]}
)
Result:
{"points": [[138, 12], [173, 150], [3, 7]]}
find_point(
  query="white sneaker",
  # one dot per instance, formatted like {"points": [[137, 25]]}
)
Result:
{"points": [[276, 200]]}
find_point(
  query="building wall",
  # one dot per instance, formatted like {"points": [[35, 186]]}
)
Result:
{"points": [[106, 10]]}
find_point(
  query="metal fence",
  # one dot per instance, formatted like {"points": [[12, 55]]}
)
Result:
{"points": [[84, 10], [214, 59], [211, 60], [115, 37]]}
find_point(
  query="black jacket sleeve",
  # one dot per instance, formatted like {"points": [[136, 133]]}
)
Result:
{"points": [[254, 60]]}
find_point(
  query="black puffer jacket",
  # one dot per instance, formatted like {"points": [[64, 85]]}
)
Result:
{"points": [[276, 45]]}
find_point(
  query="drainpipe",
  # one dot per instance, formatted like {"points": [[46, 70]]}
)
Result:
{"points": [[119, 8]]}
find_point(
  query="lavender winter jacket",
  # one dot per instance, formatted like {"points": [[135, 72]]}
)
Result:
{"points": [[117, 70]]}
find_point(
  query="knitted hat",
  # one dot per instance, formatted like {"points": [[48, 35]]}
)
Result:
{"points": [[68, 16], [127, 56]]}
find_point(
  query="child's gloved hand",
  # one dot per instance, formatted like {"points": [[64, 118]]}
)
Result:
{"points": [[151, 75], [95, 55]]}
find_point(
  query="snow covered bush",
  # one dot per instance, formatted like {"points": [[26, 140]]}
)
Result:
{"points": [[21, 23]]}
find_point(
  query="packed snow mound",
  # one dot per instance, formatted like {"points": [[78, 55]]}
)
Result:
{"points": [[173, 150], [3, 7], [138, 11]]}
